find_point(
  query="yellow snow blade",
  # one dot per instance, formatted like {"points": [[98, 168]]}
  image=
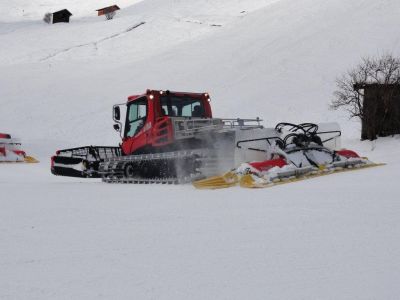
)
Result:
{"points": [[248, 181], [253, 181], [217, 182], [30, 160], [27, 159]]}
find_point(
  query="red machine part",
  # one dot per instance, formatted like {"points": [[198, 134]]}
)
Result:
{"points": [[347, 153], [19, 152], [3, 149], [5, 136], [264, 166]]}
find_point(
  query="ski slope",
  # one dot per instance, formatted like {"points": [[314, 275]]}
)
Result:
{"points": [[334, 237]]}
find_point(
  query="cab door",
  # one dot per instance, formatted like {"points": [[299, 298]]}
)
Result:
{"points": [[137, 120]]}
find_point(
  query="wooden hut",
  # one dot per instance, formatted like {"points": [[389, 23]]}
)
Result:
{"points": [[381, 110], [61, 16], [107, 10]]}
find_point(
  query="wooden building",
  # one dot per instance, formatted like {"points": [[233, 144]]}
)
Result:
{"points": [[381, 110], [107, 10], [61, 16]]}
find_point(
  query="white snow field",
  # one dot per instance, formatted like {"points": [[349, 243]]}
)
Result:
{"points": [[333, 237]]}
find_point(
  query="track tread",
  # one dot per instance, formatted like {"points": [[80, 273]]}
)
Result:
{"points": [[112, 169]]}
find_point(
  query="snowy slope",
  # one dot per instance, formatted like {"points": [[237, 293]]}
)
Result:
{"points": [[25, 10], [328, 238], [68, 240], [259, 57]]}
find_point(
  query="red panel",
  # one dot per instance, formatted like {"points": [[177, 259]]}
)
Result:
{"points": [[5, 136], [268, 164], [19, 152], [162, 132], [347, 153]]}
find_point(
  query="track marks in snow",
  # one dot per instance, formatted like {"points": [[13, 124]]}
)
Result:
{"points": [[201, 23], [93, 44], [120, 33]]}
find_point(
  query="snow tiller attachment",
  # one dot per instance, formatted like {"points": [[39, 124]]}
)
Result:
{"points": [[296, 152], [10, 150], [82, 161]]}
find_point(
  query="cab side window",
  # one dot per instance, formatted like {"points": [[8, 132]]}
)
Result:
{"points": [[181, 106], [137, 113], [194, 109], [173, 110]]}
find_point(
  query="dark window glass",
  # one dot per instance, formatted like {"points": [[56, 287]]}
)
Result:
{"points": [[137, 112], [174, 106]]}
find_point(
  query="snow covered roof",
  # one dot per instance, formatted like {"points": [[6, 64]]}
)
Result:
{"points": [[108, 9]]}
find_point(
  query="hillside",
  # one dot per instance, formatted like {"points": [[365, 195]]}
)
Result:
{"points": [[333, 237], [258, 57]]}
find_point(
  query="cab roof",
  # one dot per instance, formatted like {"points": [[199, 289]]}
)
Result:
{"points": [[149, 92]]}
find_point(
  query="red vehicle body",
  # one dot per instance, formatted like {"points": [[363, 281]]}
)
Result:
{"points": [[154, 122], [148, 120]]}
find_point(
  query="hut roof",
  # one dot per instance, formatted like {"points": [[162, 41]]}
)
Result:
{"points": [[63, 11], [359, 86], [112, 7]]}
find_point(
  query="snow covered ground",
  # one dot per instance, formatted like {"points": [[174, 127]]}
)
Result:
{"points": [[334, 237]]}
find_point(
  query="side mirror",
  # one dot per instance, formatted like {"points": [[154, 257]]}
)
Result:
{"points": [[117, 113], [117, 127]]}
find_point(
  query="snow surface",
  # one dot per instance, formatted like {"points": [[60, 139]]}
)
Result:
{"points": [[334, 237]]}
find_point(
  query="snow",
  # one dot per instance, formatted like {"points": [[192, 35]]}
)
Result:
{"points": [[333, 237], [22, 10]]}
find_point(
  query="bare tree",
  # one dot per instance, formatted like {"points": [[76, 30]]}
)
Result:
{"points": [[110, 15], [349, 95]]}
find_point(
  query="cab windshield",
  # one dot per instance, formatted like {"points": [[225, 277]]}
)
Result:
{"points": [[137, 113], [181, 106]]}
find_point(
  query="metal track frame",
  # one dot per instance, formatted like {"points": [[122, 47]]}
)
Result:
{"points": [[112, 170]]}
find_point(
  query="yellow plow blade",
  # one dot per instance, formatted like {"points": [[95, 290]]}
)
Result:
{"points": [[249, 181], [30, 160], [253, 181], [27, 159], [217, 182]]}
